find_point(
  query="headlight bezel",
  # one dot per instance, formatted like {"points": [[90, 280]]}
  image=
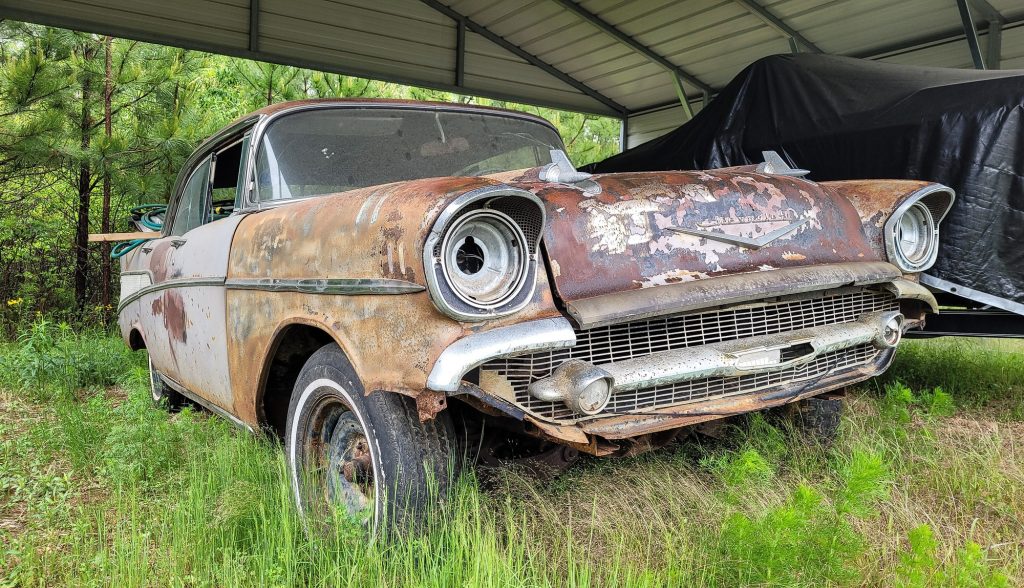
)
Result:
{"points": [[497, 235], [930, 205], [516, 208]]}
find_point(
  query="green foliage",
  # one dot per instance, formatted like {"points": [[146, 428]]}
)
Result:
{"points": [[98, 487], [164, 102], [921, 567], [865, 480], [936, 402], [49, 358], [802, 539]]}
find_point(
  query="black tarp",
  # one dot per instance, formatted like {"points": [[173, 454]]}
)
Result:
{"points": [[845, 118]]}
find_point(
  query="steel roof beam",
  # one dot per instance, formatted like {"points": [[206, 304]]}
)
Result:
{"points": [[525, 55], [633, 44], [994, 45], [777, 23], [987, 12], [460, 53], [254, 25], [972, 34], [936, 39]]}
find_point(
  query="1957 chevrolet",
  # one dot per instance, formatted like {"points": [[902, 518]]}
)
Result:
{"points": [[351, 275]]}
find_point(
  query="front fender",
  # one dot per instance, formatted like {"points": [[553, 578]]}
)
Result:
{"points": [[877, 200], [352, 263]]}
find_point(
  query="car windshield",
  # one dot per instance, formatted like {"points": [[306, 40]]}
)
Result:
{"points": [[323, 151]]}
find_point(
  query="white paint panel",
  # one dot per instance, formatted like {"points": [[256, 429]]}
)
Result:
{"points": [[132, 283]]}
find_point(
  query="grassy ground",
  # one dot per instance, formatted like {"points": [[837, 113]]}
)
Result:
{"points": [[924, 487]]}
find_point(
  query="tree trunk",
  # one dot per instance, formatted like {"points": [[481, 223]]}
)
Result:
{"points": [[84, 189], [107, 90]]}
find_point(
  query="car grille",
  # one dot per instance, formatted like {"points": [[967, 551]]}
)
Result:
{"points": [[639, 338]]}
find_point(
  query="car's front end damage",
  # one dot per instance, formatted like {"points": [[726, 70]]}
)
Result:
{"points": [[691, 296]]}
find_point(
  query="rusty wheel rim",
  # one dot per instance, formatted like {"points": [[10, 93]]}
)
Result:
{"points": [[339, 463]]}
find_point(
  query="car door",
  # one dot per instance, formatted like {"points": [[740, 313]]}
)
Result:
{"points": [[193, 308], [161, 314]]}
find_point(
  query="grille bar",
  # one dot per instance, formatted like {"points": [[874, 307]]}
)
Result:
{"points": [[623, 341]]}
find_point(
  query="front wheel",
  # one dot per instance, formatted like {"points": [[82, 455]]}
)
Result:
{"points": [[366, 457]]}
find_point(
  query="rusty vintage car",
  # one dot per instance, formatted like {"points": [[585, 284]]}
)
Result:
{"points": [[358, 277]]}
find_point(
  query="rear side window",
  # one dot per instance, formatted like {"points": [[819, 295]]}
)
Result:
{"points": [[193, 205]]}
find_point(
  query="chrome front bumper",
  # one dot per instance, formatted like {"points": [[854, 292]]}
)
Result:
{"points": [[739, 357], [679, 366]]}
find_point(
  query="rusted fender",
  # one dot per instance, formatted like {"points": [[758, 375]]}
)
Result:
{"points": [[376, 233], [615, 232], [875, 201]]}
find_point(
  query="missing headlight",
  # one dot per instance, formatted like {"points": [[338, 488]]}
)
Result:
{"points": [[483, 257], [912, 232]]}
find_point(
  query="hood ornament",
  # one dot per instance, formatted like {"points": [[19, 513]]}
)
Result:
{"points": [[748, 242], [774, 165], [561, 170]]}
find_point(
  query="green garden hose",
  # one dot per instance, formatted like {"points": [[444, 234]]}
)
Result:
{"points": [[148, 216], [151, 216]]}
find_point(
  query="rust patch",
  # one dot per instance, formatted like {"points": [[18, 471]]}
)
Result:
{"points": [[175, 319], [392, 341], [157, 307], [874, 201], [620, 236], [429, 403]]}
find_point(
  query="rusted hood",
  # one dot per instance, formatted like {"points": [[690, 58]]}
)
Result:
{"points": [[615, 232]]}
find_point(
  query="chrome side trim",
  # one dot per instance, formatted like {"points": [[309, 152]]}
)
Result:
{"points": [[167, 285], [475, 349], [972, 294], [337, 286], [752, 355], [725, 291], [205, 403]]}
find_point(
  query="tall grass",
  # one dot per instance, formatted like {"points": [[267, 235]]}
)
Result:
{"points": [[922, 488]]}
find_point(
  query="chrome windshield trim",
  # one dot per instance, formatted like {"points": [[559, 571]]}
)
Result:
{"points": [[473, 350]]}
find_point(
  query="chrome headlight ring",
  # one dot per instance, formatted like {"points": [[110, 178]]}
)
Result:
{"points": [[912, 232], [481, 257]]}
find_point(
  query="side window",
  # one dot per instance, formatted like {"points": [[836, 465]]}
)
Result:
{"points": [[193, 205], [228, 178]]}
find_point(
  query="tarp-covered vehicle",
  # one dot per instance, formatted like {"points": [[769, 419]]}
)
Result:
{"points": [[844, 118], [352, 275]]}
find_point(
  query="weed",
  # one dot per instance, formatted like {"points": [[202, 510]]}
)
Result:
{"points": [[103, 489]]}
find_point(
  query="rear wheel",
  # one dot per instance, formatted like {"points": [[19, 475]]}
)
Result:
{"points": [[366, 458], [163, 395]]}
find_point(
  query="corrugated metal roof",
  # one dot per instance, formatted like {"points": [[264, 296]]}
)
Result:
{"points": [[563, 53]]}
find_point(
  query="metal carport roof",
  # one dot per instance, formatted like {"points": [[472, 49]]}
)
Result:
{"points": [[620, 58]]}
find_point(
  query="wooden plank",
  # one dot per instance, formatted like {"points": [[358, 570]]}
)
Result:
{"points": [[111, 237]]}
